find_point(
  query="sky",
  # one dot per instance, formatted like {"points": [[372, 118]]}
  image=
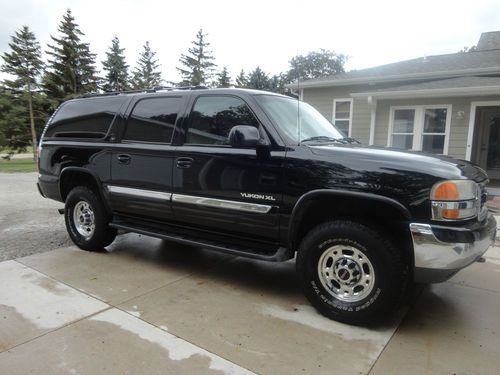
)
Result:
{"points": [[246, 34]]}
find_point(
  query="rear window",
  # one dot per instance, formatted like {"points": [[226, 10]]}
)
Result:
{"points": [[84, 118]]}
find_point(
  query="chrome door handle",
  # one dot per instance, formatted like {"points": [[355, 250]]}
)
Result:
{"points": [[184, 162], [124, 158]]}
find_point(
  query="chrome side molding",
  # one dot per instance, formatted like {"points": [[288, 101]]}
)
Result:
{"points": [[221, 203], [139, 192], [191, 199]]}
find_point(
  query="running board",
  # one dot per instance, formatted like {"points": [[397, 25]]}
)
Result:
{"points": [[280, 255]]}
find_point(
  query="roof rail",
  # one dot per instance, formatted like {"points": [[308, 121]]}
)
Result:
{"points": [[154, 89]]}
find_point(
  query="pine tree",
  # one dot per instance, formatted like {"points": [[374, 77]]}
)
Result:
{"points": [[24, 64], [71, 64], [146, 74], [115, 67], [241, 80], [277, 83], [197, 64], [258, 80], [223, 78]]}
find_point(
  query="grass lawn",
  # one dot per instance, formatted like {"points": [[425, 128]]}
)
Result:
{"points": [[18, 165]]}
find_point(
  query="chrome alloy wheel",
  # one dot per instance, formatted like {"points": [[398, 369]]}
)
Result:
{"points": [[346, 273], [83, 217]]}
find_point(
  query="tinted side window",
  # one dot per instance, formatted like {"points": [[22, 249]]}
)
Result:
{"points": [[153, 120], [213, 117], [84, 118]]}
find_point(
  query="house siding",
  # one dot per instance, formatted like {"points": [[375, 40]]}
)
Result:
{"points": [[322, 100], [459, 128], [361, 120]]}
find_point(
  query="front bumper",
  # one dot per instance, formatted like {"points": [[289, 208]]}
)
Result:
{"points": [[442, 251]]}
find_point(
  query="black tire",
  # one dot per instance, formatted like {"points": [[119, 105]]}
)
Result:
{"points": [[375, 254], [102, 235]]}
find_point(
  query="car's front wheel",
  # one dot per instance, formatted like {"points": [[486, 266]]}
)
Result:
{"points": [[350, 272], [87, 220]]}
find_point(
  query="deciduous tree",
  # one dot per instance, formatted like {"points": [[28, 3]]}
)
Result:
{"points": [[316, 64]]}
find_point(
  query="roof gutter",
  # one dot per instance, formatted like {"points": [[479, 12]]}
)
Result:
{"points": [[395, 78], [430, 93]]}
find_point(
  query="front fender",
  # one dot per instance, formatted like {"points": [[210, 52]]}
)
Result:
{"points": [[302, 202]]}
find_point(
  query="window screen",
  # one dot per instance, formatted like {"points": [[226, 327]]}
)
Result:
{"points": [[213, 117], [153, 120]]}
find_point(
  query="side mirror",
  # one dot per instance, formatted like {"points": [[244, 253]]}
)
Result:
{"points": [[244, 136]]}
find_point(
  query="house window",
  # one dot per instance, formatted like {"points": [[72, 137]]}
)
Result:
{"points": [[342, 115], [420, 128], [434, 132], [403, 128]]}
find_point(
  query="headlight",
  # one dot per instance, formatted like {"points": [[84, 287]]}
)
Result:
{"points": [[455, 200]]}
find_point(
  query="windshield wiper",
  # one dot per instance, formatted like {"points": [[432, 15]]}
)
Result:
{"points": [[351, 140], [323, 138]]}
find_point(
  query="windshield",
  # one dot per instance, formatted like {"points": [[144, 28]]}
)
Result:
{"points": [[312, 127]]}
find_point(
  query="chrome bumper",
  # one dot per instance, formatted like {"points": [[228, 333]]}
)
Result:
{"points": [[437, 260]]}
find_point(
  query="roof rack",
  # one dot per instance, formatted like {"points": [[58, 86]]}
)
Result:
{"points": [[154, 89]]}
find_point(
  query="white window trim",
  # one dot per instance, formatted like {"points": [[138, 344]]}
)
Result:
{"points": [[350, 100], [372, 102], [418, 126]]}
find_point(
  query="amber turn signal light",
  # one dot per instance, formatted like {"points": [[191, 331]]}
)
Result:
{"points": [[447, 191]]}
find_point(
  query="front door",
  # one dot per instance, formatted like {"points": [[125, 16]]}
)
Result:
{"points": [[488, 145], [224, 189]]}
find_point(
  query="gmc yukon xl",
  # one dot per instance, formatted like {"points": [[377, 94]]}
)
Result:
{"points": [[265, 176]]}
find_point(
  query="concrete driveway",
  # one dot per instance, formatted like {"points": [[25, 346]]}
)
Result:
{"points": [[147, 306]]}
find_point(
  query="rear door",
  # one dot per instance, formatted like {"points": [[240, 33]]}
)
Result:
{"points": [[142, 162], [234, 191]]}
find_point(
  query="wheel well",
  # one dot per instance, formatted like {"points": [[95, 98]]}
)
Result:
{"points": [[72, 179], [379, 215]]}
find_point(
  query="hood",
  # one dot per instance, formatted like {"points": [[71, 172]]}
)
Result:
{"points": [[388, 159]]}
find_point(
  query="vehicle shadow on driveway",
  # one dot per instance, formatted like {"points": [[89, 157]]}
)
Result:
{"points": [[274, 280], [259, 276]]}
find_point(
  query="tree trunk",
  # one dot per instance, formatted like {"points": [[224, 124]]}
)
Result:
{"points": [[32, 124]]}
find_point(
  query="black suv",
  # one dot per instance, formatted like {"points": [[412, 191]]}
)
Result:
{"points": [[265, 176]]}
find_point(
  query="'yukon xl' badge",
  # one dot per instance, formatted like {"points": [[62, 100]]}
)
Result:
{"points": [[258, 196]]}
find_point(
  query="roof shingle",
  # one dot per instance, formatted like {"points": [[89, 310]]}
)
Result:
{"points": [[429, 64]]}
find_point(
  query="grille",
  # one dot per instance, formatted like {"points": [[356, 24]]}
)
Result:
{"points": [[484, 194]]}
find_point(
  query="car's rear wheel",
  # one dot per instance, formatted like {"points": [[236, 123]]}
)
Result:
{"points": [[87, 220], [350, 272]]}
